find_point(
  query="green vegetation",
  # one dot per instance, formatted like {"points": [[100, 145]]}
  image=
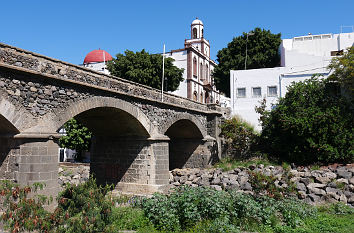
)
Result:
{"points": [[262, 52], [228, 163], [343, 67], [145, 68], [311, 124], [88, 208], [239, 136], [77, 137], [265, 185]]}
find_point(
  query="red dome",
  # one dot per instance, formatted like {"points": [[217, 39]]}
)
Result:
{"points": [[97, 56]]}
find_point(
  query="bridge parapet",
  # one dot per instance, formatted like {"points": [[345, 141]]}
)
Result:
{"points": [[30, 62]]}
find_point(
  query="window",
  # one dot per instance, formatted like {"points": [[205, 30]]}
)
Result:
{"points": [[194, 33], [194, 67], [337, 53], [256, 92], [206, 72], [201, 72], [272, 91], [308, 38], [241, 92], [195, 97]]}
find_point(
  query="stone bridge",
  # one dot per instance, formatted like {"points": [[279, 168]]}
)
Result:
{"points": [[137, 137]]}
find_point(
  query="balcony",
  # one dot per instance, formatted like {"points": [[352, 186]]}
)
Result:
{"points": [[207, 84]]}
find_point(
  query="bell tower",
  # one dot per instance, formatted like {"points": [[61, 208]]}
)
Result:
{"points": [[197, 40], [197, 29]]}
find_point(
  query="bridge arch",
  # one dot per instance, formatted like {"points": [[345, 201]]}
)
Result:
{"points": [[186, 118], [78, 108], [15, 118], [186, 147], [121, 146]]}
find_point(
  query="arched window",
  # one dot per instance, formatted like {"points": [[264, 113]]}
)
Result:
{"points": [[195, 33], [201, 71], [206, 97], [195, 97], [194, 67], [202, 33]]}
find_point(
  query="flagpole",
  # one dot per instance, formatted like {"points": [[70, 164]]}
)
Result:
{"points": [[163, 71]]}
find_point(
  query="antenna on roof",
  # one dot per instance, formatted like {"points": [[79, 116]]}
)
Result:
{"points": [[341, 28]]}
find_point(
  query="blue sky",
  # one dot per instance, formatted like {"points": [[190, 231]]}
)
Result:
{"points": [[68, 30]]}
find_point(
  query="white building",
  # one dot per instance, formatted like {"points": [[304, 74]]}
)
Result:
{"points": [[96, 60], [194, 58], [301, 58]]}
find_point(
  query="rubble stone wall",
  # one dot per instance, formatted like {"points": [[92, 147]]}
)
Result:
{"points": [[328, 184]]}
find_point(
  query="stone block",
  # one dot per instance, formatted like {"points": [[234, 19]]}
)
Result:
{"points": [[344, 173], [45, 175], [34, 159]]}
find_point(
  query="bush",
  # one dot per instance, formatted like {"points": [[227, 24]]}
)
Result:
{"points": [[85, 207], [192, 209], [22, 213], [81, 208], [312, 123], [239, 136], [184, 207], [266, 185]]}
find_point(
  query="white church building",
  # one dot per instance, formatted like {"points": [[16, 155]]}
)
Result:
{"points": [[301, 58], [194, 58]]}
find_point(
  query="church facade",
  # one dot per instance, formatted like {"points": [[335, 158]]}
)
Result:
{"points": [[194, 58]]}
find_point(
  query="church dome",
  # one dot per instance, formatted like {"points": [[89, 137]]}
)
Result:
{"points": [[197, 22], [97, 56]]}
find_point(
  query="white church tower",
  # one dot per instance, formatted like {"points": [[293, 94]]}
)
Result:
{"points": [[194, 58]]}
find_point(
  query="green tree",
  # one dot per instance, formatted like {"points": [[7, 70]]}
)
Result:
{"points": [[239, 136], [77, 137], [344, 71], [145, 68], [262, 52], [312, 123]]}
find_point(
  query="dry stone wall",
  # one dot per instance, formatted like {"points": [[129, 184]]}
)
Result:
{"points": [[328, 184]]}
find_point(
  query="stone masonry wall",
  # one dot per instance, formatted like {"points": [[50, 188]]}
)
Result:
{"points": [[8, 153], [188, 153], [330, 184], [116, 160]]}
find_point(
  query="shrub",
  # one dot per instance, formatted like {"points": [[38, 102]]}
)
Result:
{"points": [[184, 207], [266, 185], [312, 123], [193, 209], [85, 207], [253, 210], [20, 212], [82, 208], [161, 211], [239, 136]]}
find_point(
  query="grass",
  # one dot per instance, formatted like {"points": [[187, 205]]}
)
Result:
{"points": [[128, 218], [228, 164]]}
